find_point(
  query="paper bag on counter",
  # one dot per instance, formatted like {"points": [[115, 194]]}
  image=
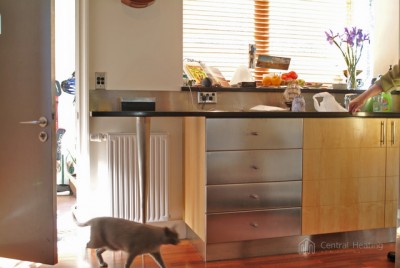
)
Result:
{"points": [[328, 103], [242, 74]]}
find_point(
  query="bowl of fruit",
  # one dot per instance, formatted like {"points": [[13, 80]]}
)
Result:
{"points": [[284, 79], [271, 80], [291, 77]]}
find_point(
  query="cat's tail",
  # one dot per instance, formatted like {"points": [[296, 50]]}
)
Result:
{"points": [[80, 224]]}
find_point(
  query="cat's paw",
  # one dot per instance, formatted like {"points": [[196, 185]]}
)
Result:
{"points": [[103, 264]]}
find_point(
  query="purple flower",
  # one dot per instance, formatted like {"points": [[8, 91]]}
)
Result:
{"points": [[349, 36], [353, 39], [330, 37]]}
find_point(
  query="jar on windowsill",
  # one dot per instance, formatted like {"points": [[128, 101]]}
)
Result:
{"points": [[292, 90]]}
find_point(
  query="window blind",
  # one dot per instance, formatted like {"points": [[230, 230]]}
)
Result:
{"points": [[218, 32]]}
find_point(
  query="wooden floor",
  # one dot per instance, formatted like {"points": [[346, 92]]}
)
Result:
{"points": [[72, 253]]}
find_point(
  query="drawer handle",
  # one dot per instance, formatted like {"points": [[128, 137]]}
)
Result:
{"points": [[254, 133], [255, 196], [254, 167], [254, 224]]}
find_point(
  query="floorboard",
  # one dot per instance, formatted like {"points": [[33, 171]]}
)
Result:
{"points": [[72, 253]]}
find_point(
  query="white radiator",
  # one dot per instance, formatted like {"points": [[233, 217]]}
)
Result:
{"points": [[123, 171]]}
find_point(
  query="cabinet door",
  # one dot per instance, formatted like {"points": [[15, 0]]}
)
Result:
{"points": [[344, 168], [392, 172], [343, 133]]}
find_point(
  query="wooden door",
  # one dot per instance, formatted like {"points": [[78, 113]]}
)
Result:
{"points": [[27, 154]]}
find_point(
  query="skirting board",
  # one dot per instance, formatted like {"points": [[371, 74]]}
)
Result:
{"points": [[308, 244]]}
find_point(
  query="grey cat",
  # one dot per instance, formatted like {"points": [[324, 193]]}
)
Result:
{"points": [[131, 237]]}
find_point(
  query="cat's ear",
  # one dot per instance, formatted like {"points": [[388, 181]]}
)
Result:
{"points": [[167, 231], [171, 230]]}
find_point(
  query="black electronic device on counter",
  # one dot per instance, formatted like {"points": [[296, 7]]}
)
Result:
{"points": [[248, 84], [138, 104]]}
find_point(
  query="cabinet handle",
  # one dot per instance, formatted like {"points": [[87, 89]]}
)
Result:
{"points": [[393, 132], [254, 133], [254, 167], [255, 196], [382, 133], [254, 224]]}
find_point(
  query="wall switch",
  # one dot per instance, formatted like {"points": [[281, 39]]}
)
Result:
{"points": [[100, 82], [206, 97]]}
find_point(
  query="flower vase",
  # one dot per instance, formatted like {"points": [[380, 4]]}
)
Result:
{"points": [[351, 77]]}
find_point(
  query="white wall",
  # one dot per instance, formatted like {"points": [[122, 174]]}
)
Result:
{"points": [[385, 38], [141, 49], [138, 48]]}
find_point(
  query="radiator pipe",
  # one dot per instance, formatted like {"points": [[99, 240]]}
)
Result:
{"points": [[143, 153]]}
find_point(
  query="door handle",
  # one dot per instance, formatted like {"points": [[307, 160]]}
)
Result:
{"points": [[42, 122], [383, 133], [393, 131]]}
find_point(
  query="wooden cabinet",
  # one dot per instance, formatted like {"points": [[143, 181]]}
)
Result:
{"points": [[194, 175], [350, 172]]}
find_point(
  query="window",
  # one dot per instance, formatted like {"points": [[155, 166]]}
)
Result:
{"points": [[218, 33]]}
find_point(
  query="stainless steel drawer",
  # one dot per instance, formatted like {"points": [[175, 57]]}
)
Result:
{"points": [[254, 166], [235, 197], [242, 226], [250, 133]]}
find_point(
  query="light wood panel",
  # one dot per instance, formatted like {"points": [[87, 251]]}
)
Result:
{"points": [[344, 175], [194, 174], [342, 132], [392, 172]]}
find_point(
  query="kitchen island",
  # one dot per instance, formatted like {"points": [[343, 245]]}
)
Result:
{"points": [[337, 193]]}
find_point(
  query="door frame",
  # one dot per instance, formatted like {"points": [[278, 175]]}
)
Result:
{"points": [[82, 100]]}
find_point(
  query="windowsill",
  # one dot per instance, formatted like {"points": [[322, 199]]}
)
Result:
{"points": [[264, 89]]}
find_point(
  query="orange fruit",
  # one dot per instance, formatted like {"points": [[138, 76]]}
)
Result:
{"points": [[276, 80], [267, 81]]}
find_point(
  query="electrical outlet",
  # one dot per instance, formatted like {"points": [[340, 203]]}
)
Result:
{"points": [[206, 97], [100, 80]]}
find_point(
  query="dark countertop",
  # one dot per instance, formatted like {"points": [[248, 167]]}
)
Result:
{"points": [[240, 114]]}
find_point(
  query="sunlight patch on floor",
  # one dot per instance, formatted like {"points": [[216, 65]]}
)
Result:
{"points": [[11, 263]]}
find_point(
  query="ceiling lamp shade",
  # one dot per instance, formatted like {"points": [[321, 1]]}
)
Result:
{"points": [[138, 3]]}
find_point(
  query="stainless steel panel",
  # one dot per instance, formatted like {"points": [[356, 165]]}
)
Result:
{"points": [[373, 238], [242, 226], [262, 133], [235, 197], [290, 244], [254, 166]]}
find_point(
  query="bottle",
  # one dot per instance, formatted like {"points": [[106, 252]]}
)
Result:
{"points": [[298, 104], [368, 106], [377, 103], [386, 102]]}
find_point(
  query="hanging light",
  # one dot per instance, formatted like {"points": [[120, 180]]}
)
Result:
{"points": [[138, 3]]}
